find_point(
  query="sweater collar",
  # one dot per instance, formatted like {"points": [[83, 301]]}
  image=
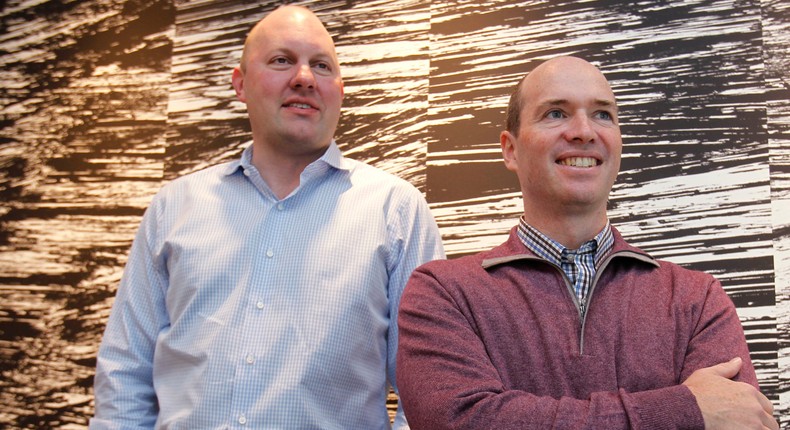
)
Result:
{"points": [[515, 250]]}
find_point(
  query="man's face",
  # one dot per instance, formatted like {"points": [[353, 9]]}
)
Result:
{"points": [[567, 151], [291, 83]]}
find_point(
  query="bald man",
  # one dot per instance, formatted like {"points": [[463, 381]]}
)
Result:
{"points": [[263, 292], [565, 325]]}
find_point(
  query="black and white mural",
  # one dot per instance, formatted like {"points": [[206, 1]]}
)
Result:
{"points": [[103, 101]]}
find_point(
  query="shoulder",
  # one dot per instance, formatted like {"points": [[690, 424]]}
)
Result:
{"points": [[363, 174], [444, 281], [459, 267], [663, 272], [194, 187], [205, 177], [662, 280], [464, 272], [463, 283], [401, 202], [682, 278]]}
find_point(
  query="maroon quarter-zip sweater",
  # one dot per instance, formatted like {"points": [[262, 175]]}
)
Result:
{"points": [[495, 341]]}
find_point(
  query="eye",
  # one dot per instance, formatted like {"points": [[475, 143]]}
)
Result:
{"points": [[322, 68], [604, 115], [555, 114], [280, 61]]}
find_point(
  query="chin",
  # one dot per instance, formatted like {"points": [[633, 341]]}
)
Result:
{"points": [[307, 147], [588, 200]]}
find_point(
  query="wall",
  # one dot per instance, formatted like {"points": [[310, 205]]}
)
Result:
{"points": [[104, 101]]}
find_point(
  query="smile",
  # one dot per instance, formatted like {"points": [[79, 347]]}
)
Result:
{"points": [[299, 105], [578, 162]]}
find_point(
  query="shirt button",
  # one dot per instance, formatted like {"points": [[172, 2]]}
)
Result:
{"points": [[250, 359], [280, 206], [242, 420], [270, 253], [259, 305]]}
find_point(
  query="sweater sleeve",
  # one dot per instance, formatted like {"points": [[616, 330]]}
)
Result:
{"points": [[718, 336], [447, 380]]}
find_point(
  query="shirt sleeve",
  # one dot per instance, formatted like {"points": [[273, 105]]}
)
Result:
{"points": [[123, 385], [416, 240], [447, 380]]}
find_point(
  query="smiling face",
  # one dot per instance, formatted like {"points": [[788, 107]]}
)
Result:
{"points": [[290, 81], [566, 149]]}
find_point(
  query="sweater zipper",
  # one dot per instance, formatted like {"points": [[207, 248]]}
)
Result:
{"points": [[582, 308]]}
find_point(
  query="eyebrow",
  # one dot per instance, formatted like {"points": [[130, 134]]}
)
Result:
{"points": [[323, 56], [598, 102]]}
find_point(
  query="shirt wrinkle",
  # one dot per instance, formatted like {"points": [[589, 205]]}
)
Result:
{"points": [[269, 314]]}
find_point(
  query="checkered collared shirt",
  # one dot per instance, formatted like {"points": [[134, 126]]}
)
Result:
{"points": [[579, 264]]}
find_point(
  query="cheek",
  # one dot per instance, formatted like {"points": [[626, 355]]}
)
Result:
{"points": [[266, 82], [334, 97], [265, 87]]}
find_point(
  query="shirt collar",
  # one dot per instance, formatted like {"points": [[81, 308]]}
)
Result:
{"points": [[332, 157], [551, 250]]}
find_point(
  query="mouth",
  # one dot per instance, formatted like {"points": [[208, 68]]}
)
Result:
{"points": [[298, 106], [583, 162]]}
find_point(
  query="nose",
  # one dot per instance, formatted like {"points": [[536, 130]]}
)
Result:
{"points": [[303, 78], [580, 130]]}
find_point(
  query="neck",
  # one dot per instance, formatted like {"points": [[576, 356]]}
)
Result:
{"points": [[281, 172], [571, 230]]}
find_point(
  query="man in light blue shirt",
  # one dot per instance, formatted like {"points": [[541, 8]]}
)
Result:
{"points": [[263, 293]]}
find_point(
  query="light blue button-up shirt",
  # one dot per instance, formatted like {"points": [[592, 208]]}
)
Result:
{"points": [[239, 310]]}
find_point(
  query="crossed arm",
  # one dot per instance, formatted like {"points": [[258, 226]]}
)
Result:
{"points": [[447, 380]]}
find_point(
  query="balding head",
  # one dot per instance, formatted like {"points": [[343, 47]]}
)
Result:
{"points": [[564, 144], [283, 17], [550, 69]]}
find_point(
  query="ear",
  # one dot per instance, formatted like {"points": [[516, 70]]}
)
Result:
{"points": [[508, 143], [238, 84]]}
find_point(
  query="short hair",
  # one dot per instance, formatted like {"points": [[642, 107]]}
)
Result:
{"points": [[514, 106]]}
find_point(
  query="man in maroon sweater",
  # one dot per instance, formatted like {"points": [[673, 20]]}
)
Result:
{"points": [[566, 325]]}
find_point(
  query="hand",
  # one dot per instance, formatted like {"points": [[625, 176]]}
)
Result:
{"points": [[727, 404]]}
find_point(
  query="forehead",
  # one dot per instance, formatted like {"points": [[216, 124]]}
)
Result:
{"points": [[293, 32], [567, 83]]}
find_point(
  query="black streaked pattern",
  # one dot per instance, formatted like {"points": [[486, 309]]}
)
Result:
{"points": [[696, 181], [84, 96], [104, 100]]}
